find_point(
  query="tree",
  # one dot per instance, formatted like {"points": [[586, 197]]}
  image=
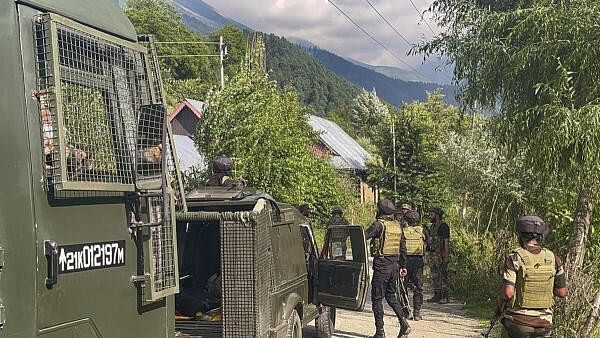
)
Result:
{"points": [[237, 46], [266, 131], [537, 63], [419, 130], [367, 112], [184, 77]]}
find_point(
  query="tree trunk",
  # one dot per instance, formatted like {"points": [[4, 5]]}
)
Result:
{"points": [[581, 227], [593, 318], [487, 229]]}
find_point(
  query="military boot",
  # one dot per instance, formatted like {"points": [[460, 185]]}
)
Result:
{"points": [[417, 316], [404, 328], [378, 334], [436, 297], [444, 298]]}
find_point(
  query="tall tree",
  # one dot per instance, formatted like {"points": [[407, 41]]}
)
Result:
{"points": [[536, 61], [184, 76], [367, 112], [266, 131]]}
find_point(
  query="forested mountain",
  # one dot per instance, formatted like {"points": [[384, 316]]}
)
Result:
{"points": [[393, 91], [318, 81], [392, 72], [318, 87], [202, 18]]}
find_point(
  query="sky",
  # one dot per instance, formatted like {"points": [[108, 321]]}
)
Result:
{"points": [[322, 24]]}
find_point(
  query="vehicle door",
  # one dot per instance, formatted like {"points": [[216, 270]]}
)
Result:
{"points": [[311, 256], [343, 273]]}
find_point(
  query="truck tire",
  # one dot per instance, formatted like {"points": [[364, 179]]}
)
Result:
{"points": [[325, 323], [294, 325]]}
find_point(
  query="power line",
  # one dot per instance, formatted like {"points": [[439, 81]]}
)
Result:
{"points": [[421, 15], [377, 41], [389, 24]]}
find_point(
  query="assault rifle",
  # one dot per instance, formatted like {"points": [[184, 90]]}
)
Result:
{"points": [[402, 295], [493, 323]]}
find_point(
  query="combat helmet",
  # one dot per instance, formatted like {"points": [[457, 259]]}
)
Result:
{"points": [[531, 227], [222, 164], [386, 207]]}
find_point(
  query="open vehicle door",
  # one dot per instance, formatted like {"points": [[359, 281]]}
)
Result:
{"points": [[343, 272]]}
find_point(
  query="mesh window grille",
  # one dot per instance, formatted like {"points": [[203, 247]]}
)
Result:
{"points": [[99, 127], [163, 273], [246, 263], [103, 130]]}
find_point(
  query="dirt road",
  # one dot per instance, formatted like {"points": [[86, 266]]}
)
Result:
{"points": [[443, 321]]}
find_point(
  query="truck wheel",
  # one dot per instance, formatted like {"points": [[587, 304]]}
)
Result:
{"points": [[325, 323], [294, 326]]}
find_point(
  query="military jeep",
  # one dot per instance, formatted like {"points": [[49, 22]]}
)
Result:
{"points": [[273, 277]]}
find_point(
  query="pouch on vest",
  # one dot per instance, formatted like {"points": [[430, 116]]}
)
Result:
{"points": [[375, 247], [535, 280], [415, 240], [392, 234]]}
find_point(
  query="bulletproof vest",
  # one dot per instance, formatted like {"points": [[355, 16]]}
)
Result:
{"points": [[415, 240], [535, 279], [389, 243]]}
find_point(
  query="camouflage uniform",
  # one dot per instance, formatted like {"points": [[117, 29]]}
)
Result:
{"points": [[439, 270]]}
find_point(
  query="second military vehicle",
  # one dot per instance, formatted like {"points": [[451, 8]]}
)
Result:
{"points": [[250, 267]]}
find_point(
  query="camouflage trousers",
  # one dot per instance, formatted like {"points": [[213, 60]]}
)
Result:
{"points": [[439, 274]]}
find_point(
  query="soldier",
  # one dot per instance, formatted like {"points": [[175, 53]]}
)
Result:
{"points": [[339, 237], [404, 208], [222, 166], [337, 217], [304, 209], [416, 240], [388, 247], [532, 275], [439, 246]]}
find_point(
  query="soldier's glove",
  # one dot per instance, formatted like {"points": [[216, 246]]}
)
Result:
{"points": [[403, 272]]}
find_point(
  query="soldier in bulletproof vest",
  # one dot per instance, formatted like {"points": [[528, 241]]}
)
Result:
{"points": [[222, 166], [416, 241], [388, 247], [532, 275], [439, 248]]}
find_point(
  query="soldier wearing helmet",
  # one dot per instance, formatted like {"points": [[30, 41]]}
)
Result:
{"points": [[221, 166], [416, 241], [404, 208], [439, 246], [337, 216], [532, 275], [388, 247], [338, 236]]}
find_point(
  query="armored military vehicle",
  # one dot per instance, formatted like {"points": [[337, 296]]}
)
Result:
{"points": [[87, 236], [250, 267]]}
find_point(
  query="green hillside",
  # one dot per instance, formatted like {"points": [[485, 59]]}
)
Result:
{"points": [[318, 87]]}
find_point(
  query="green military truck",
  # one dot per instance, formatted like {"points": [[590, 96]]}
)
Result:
{"points": [[87, 235], [262, 258]]}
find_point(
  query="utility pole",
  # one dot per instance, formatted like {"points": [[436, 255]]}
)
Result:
{"points": [[394, 154], [222, 53]]}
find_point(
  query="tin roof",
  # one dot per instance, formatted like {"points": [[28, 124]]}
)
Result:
{"points": [[197, 107], [187, 153], [347, 153]]}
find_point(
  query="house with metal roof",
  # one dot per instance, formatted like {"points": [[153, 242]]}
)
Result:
{"points": [[346, 154], [185, 117], [184, 121]]}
